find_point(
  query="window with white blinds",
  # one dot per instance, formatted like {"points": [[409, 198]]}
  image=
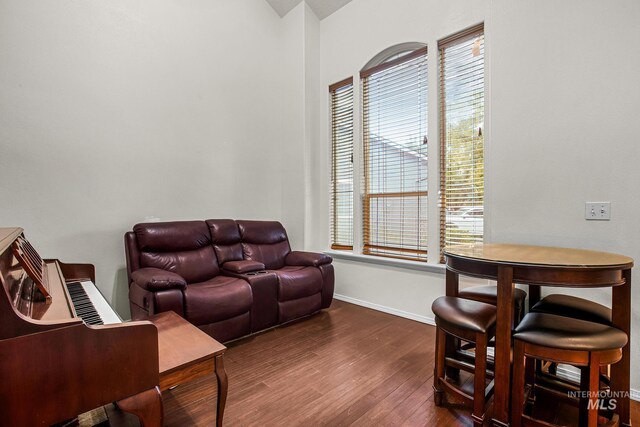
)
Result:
{"points": [[394, 104], [462, 140], [341, 98]]}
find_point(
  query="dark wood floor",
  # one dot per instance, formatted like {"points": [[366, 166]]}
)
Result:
{"points": [[346, 366]]}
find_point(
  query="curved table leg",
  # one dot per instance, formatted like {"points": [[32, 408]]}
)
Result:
{"points": [[223, 385], [147, 406]]}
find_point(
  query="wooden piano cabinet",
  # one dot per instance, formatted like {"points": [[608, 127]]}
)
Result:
{"points": [[52, 365], [52, 376], [77, 271]]}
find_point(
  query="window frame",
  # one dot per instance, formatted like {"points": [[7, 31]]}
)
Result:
{"points": [[334, 223], [447, 42], [396, 56]]}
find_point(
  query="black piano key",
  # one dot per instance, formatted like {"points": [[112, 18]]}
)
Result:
{"points": [[82, 304]]}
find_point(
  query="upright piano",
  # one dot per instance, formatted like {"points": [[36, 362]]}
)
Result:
{"points": [[63, 349]]}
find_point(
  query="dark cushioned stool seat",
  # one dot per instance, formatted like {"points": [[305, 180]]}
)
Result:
{"points": [[549, 330], [577, 308], [465, 314]]}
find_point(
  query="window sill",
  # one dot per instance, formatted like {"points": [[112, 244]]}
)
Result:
{"points": [[398, 263]]}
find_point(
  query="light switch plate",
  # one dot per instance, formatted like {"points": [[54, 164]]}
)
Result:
{"points": [[597, 211]]}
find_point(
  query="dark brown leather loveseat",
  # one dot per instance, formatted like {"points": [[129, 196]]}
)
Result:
{"points": [[230, 278]]}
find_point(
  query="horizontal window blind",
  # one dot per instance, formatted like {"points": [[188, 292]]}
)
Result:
{"points": [[394, 96], [462, 140], [341, 95]]}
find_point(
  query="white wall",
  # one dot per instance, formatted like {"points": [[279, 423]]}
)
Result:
{"points": [[293, 119], [301, 82], [565, 96], [562, 97], [113, 111], [313, 146]]}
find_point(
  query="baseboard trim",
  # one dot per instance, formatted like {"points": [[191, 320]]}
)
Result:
{"points": [[567, 373], [400, 313]]}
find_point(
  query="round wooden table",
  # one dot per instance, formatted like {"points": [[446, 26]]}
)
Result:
{"points": [[538, 266]]}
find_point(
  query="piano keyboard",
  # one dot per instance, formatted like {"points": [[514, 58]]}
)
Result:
{"points": [[90, 305]]}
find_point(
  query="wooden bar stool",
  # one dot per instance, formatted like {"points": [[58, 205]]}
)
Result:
{"points": [[566, 340], [471, 321], [488, 294], [577, 308]]}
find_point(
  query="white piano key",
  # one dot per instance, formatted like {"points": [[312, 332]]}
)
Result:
{"points": [[108, 315]]}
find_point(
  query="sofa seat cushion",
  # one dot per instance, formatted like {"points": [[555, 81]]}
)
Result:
{"points": [[298, 282], [216, 299]]}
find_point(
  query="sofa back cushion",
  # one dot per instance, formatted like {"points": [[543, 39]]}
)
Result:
{"points": [[183, 247], [265, 242], [226, 240]]}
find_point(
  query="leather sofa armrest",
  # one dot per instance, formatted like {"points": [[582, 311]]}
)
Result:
{"points": [[243, 266], [156, 279], [307, 259]]}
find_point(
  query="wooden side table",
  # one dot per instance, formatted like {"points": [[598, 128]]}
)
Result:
{"points": [[187, 353]]}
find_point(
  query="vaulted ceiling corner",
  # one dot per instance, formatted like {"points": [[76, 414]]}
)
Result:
{"points": [[322, 8]]}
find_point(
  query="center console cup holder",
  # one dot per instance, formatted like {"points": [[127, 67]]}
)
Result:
{"points": [[255, 273]]}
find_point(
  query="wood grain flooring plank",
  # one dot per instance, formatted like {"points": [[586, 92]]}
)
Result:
{"points": [[346, 366], [400, 404]]}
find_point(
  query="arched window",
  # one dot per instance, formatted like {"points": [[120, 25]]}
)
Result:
{"points": [[394, 124], [392, 53]]}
